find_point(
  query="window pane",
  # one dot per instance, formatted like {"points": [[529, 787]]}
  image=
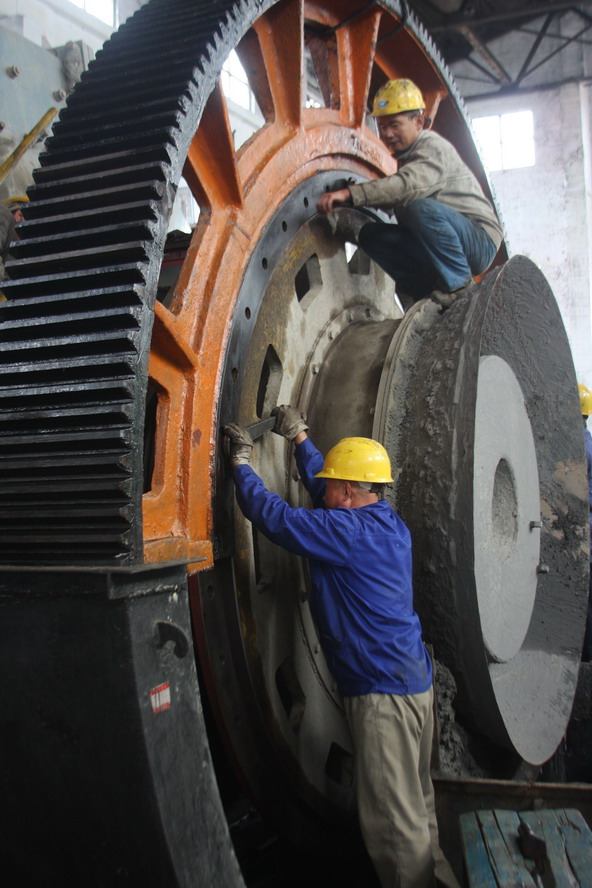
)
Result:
{"points": [[517, 139], [102, 9], [487, 134], [233, 65], [239, 92]]}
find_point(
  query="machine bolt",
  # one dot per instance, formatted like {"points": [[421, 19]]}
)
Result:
{"points": [[317, 648], [534, 524], [543, 569], [59, 95], [314, 369], [12, 71]]}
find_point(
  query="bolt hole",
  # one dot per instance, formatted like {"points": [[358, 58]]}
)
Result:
{"points": [[291, 694], [284, 226], [269, 382], [248, 313], [234, 374], [306, 201], [339, 766], [504, 507], [308, 279], [264, 262]]}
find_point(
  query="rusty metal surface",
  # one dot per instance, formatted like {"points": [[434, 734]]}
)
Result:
{"points": [[81, 332]]}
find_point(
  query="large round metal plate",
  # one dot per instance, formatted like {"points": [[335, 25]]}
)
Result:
{"points": [[481, 416], [506, 509]]}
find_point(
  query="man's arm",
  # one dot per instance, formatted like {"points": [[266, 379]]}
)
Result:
{"points": [[314, 533], [333, 199], [289, 424], [423, 175], [309, 461]]}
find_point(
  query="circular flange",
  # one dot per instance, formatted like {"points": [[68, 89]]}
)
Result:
{"points": [[492, 486], [300, 316], [506, 510]]}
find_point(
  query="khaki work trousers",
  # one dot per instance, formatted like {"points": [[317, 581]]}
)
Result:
{"points": [[392, 737]]}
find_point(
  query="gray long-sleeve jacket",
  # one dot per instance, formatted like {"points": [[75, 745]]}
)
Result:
{"points": [[7, 234], [431, 167]]}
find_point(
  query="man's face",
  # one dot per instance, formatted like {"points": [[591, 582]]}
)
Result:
{"points": [[399, 131], [334, 494]]}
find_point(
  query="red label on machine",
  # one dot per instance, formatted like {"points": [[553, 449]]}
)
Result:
{"points": [[160, 697]]}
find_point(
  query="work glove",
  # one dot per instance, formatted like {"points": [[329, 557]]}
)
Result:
{"points": [[288, 421], [240, 444]]}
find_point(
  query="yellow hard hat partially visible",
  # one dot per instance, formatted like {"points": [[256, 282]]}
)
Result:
{"points": [[397, 96], [357, 459], [585, 399], [16, 201]]}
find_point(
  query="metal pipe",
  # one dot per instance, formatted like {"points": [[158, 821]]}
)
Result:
{"points": [[12, 159]]}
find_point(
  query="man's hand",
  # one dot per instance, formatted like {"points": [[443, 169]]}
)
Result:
{"points": [[288, 421], [331, 199], [240, 444]]}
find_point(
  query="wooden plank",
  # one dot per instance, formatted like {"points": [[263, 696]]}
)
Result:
{"points": [[545, 824], [508, 823], [578, 844], [504, 868], [477, 865]]}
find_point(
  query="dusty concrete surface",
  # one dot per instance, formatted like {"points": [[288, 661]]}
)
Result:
{"points": [[455, 758]]}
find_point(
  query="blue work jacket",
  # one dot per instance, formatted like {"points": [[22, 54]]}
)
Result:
{"points": [[360, 563], [588, 440]]}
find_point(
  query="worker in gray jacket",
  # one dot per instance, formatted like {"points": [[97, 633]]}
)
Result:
{"points": [[7, 235], [448, 231]]}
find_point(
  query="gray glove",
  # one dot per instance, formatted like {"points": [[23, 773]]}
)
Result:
{"points": [[240, 444], [288, 421]]}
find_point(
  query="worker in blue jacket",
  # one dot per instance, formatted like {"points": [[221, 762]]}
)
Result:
{"points": [[361, 599], [586, 409]]}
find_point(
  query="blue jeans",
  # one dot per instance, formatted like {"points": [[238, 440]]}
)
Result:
{"points": [[433, 247]]}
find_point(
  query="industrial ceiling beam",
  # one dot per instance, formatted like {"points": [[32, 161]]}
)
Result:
{"points": [[454, 23], [499, 72]]}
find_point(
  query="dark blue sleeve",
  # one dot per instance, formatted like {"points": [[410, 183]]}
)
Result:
{"points": [[309, 461], [588, 440], [321, 534]]}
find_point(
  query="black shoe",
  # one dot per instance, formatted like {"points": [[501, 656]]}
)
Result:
{"points": [[444, 299]]}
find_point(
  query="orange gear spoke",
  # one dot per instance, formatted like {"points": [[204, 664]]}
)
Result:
{"points": [[356, 44], [210, 168], [280, 33]]}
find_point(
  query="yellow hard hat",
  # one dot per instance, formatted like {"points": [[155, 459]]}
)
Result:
{"points": [[13, 203], [397, 96], [585, 399], [357, 459]]}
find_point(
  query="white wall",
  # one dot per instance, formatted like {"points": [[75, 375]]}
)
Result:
{"points": [[547, 208], [50, 23]]}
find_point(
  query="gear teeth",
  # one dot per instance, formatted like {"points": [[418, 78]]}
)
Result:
{"points": [[75, 333]]}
